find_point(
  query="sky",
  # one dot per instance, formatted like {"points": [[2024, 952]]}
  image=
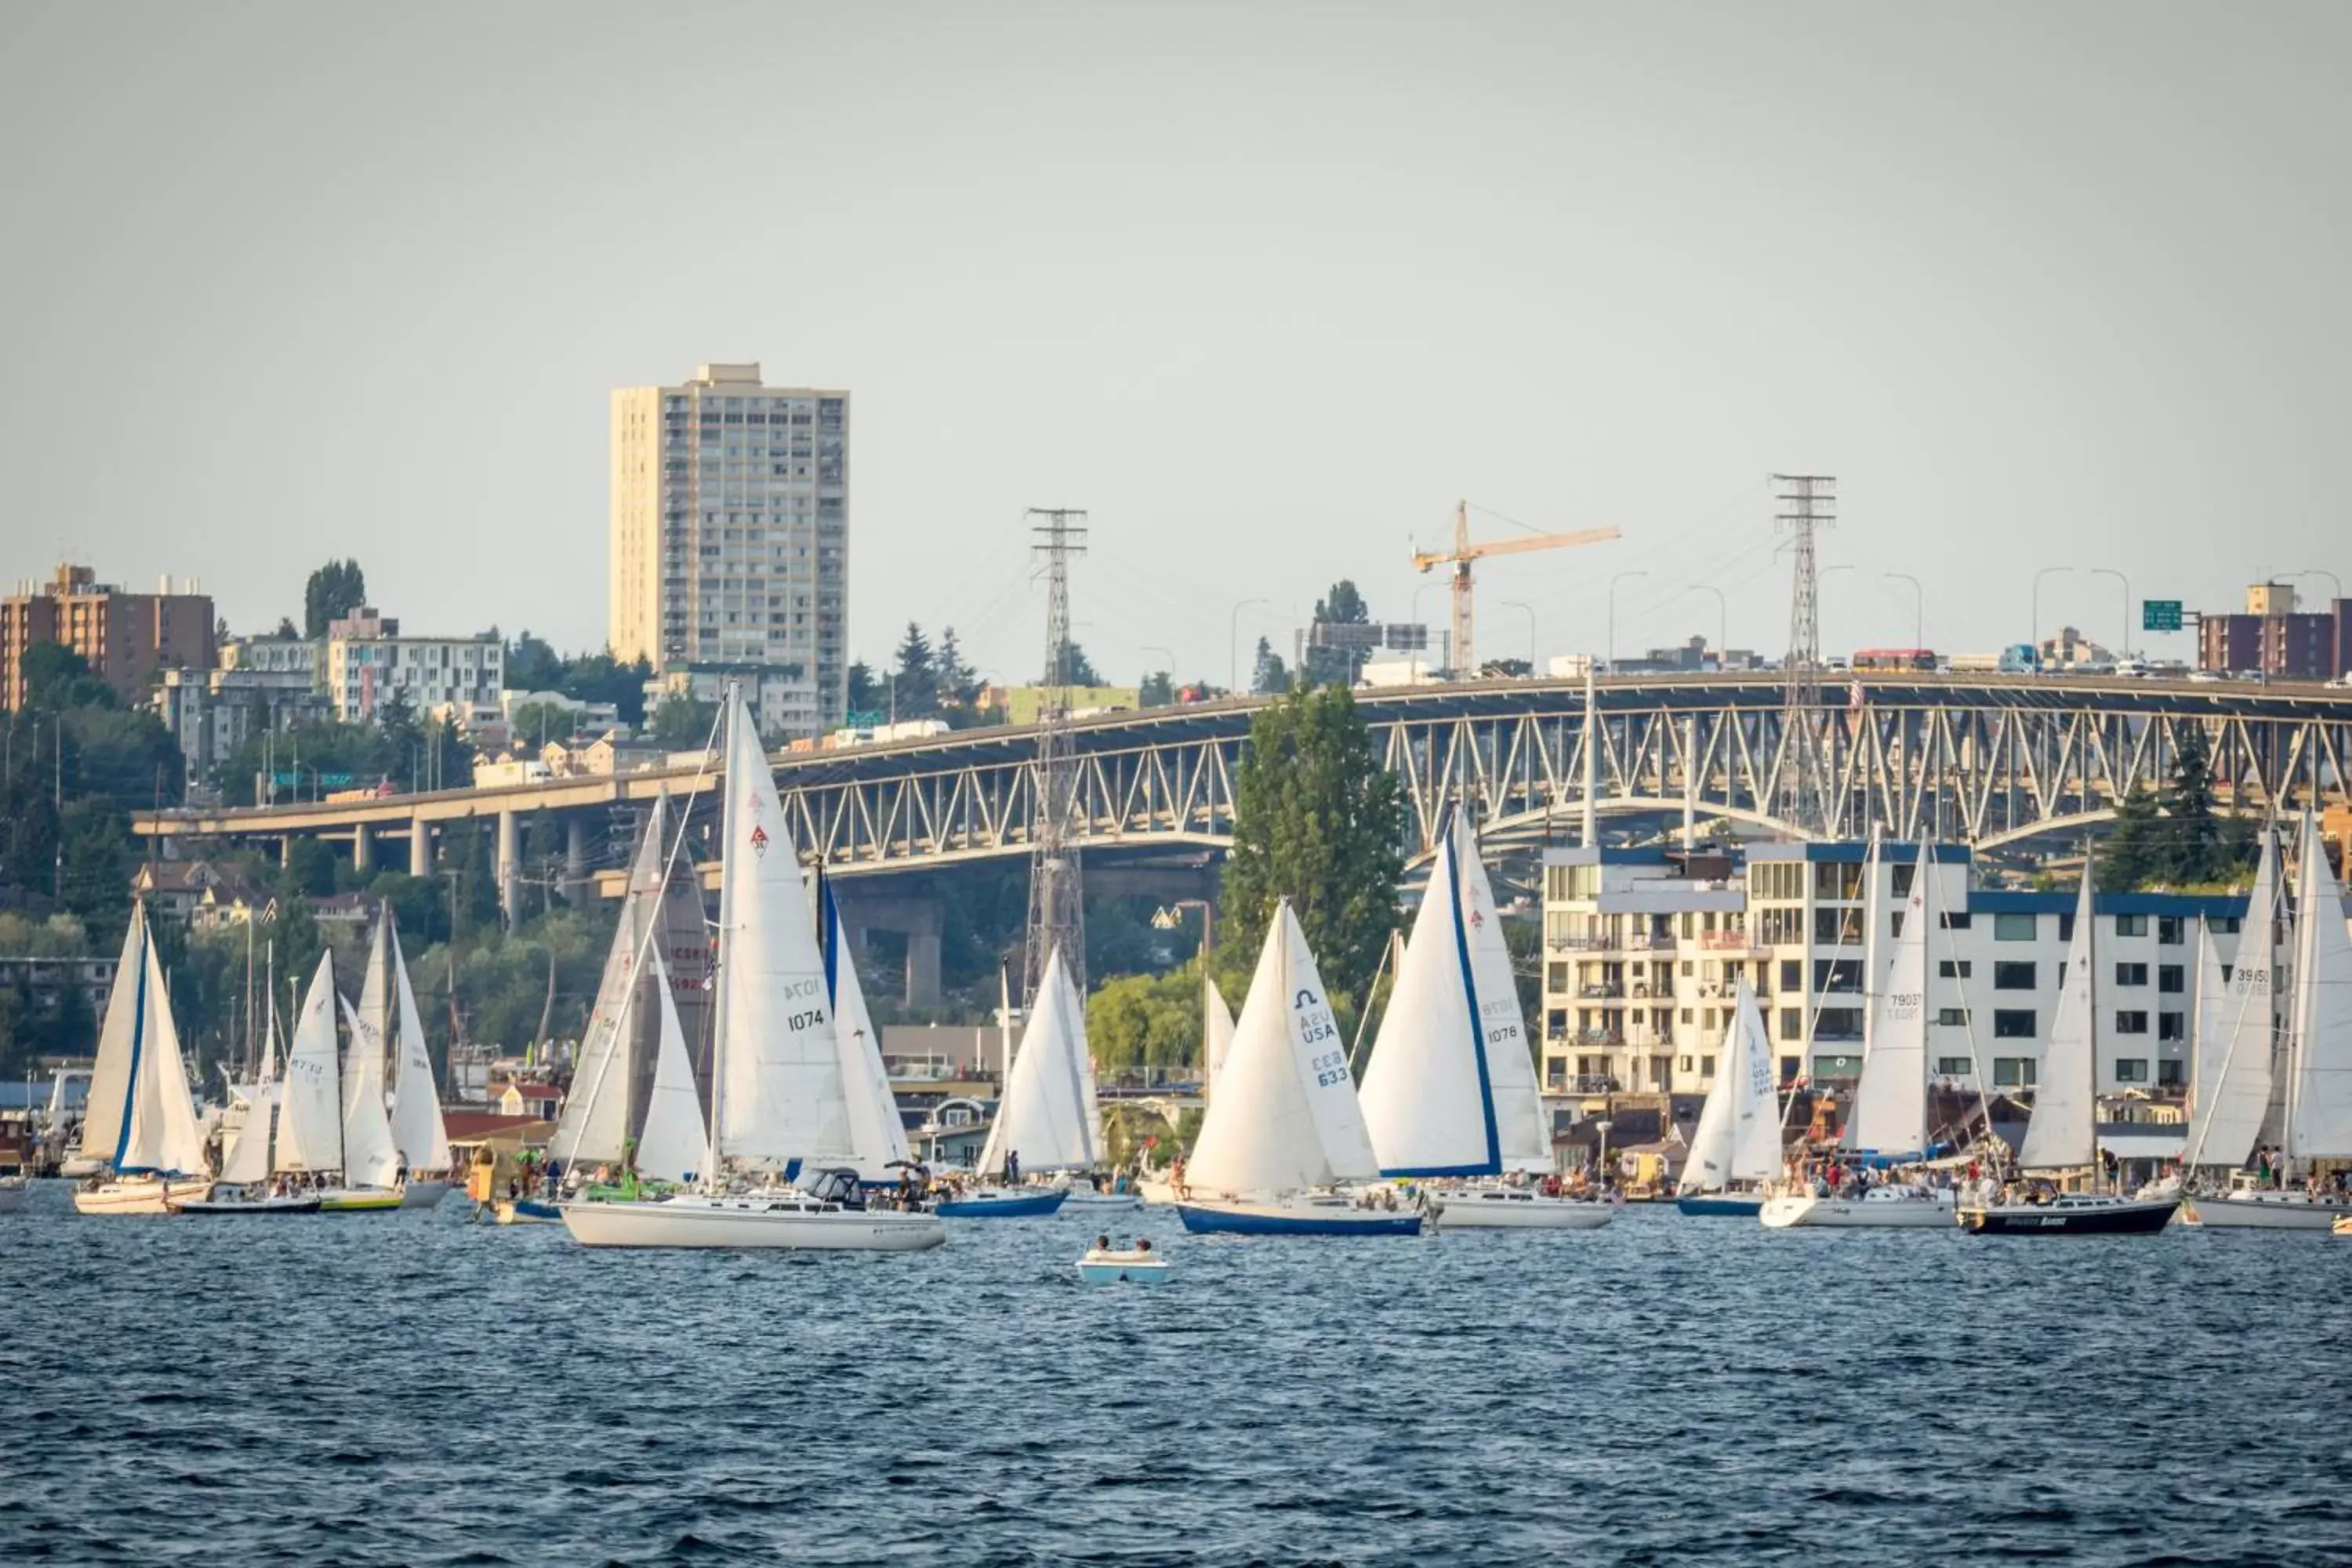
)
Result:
{"points": [[1264, 288]]}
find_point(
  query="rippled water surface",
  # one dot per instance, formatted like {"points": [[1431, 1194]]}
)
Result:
{"points": [[414, 1389]]}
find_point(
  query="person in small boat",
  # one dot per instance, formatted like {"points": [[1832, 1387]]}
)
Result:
{"points": [[1102, 1243], [1143, 1244]]}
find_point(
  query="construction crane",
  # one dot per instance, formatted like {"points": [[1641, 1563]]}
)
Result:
{"points": [[1463, 655]]}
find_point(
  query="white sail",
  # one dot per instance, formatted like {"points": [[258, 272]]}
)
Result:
{"points": [[1216, 1034], [594, 1126], [877, 1135], [1425, 1099], [108, 1102], [1045, 1117], [1756, 1148], [2230, 1090], [1522, 1131], [245, 1150], [2319, 1093], [779, 1093], [1707, 1167], [161, 1134], [2063, 1132], [369, 1160], [1286, 1117], [417, 1130], [1890, 1102], [672, 1146], [310, 1111]]}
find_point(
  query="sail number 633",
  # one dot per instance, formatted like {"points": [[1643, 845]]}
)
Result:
{"points": [[1330, 1068]]}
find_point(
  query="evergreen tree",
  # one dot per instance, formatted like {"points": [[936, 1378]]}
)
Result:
{"points": [[1343, 607], [915, 690], [2192, 844], [1269, 677], [1317, 820], [864, 691], [1078, 670], [532, 665], [334, 591], [959, 682], [2136, 850], [1157, 690]]}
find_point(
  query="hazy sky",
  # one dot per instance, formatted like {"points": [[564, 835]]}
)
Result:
{"points": [[1264, 287]]}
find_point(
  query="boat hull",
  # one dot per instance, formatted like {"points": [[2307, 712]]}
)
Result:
{"points": [[1159, 1194], [1484, 1211], [1012, 1205], [1102, 1202], [1721, 1206], [2263, 1213], [359, 1200], [201, 1207], [1117, 1270], [750, 1222], [423, 1194], [2130, 1217], [138, 1197], [1283, 1219], [526, 1211], [1855, 1214]]}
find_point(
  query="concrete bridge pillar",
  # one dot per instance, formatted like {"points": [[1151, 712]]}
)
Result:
{"points": [[420, 846], [362, 849], [575, 859], [511, 866], [285, 851], [923, 967], [919, 920]]}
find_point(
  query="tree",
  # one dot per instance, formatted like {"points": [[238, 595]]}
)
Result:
{"points": [[684, 723], [864, 691], [1317, 820], [2193, 844], [1076, 669], [536, 723], [287, 631], [334, 591], [1157, 690], [1145, 1020], [958, 683], [57, 678], [915, 688], [532, 665], [1342, 607], [2133, 852], [1269, 677]]}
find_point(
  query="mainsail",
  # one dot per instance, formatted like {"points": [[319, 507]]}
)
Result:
{"points": [[596, 1120], [2064, 1131], [141, 1118], [310, 1115], [1046, 1115], [1890, 1102], [675, 1140], [875, 1133], [1286, 1117], [2319, 1087], [1216, 1033], [1756, 1148], [2230, 1094], [370, 1158], [417, 1130]]}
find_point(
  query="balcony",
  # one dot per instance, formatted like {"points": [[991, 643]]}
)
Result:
{"points": [[1730, 942], [1604, 993]]}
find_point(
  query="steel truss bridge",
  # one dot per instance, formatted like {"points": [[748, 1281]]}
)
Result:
{"points": [[1988, 760]]}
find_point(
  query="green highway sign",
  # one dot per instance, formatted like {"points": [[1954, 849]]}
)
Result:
{"points": [[2159, 614]]}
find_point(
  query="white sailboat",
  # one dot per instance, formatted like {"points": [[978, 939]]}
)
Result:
{"points": [[1045, 1121], [2315, 1068], [1216, 1041], [877, 1137], [779, 1102], [2063, 1135], [310, 1145], [418, 1132], [1890, 1101], [1286, 1130], [1450, 1096], [1736, 1144], [672, 1147], [372, 1165], [140, 1120], [598, 1113]]}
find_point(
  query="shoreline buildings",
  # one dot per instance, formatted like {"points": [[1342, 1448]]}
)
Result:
{"points": [[128, 639], [729, 542]]}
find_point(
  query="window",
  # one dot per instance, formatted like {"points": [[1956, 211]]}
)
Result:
{"points": [[1781, 880], [1841, 975], [1952, 1017], [1793, 1024], [1707, 1066], [2168, 930], [2172, 1025], [1838, 1024], [2131, 1023], [2013, 976], [2131, 973], [2012, 1024], [2171, 979], [1556, 977], [1780, 927], [1955, 919], [2013, 1072], [2014, 928], [1687, 1013], [1838, 879], [2066, 927], [1690, 930], [1837, 928], [1905, 874], [1955, 968], [2226, 925], [1687, 965], [2131, 1070], [2171, 1075], [1683, 1064], [2131, 925], [1952, 1067], [1793, 974], [1788, 1065]]}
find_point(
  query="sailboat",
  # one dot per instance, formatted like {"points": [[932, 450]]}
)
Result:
{"points": [[1450, 1096], [1284, 1129], [877, 1137], [1044, 1123], [1890, 1100], [1739, 1136], [140, 1119], [372, 1165], [2062, 1134], [244, 1186], [1216, 1040], [418, 1132], [2314, 1073], [777, 1095]]}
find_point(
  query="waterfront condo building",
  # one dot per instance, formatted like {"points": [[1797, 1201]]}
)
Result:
{"points": [[1644, 953], [730, 537], [129, 639], [367, 660]]}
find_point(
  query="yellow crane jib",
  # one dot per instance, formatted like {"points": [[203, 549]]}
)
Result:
{"points": [[1464, 654]]}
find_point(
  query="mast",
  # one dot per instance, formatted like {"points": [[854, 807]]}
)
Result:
{"points": [[726, 936]]}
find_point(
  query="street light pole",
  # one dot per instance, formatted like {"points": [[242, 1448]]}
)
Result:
{"points": [[1919, 610], [1515, 604], [2123, 649], [1619, 577], [1233, 645], [2035, 645], [2337, 582]]}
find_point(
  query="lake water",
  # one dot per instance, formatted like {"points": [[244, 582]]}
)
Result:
{"points": [[415, 1389]]}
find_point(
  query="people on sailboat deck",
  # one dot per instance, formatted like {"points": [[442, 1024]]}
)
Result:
{"points": [[1012, 1168]]}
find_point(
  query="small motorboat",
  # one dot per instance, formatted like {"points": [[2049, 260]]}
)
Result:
{"points": [[289, 1202], [1106, 1265], [2071, 1214], [423, 1192], [1003, 1202], [12, 1193], [2342, 1226], [1895, 1206]]}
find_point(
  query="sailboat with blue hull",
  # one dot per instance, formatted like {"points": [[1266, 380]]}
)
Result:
{"points": [[1284, 1132]]}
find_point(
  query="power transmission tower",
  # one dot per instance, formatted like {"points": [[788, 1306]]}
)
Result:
{"points": [[1056, 912], [1802, 503]]}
